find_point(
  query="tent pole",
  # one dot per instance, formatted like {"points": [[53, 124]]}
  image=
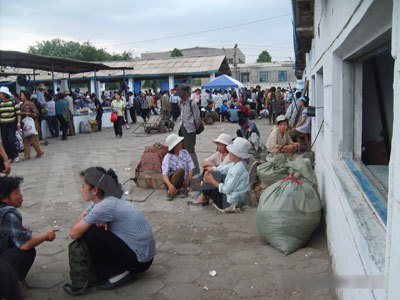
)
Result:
{"points": [[34, 79], [52, 78], [95, 83], [69, 81]]}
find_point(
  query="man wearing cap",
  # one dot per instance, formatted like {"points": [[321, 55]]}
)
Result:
{"points": [[70, 102], [279, 140], [303, 121], [10, 122], [40, 94], [190, 122]]}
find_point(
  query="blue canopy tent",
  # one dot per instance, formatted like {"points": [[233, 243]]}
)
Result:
{"points": [[223, 82]]}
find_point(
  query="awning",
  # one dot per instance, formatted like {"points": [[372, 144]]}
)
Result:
{"points": [[223, 82], [48, 63]]}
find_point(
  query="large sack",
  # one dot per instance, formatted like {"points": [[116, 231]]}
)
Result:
{"points": [[288, 213], [148, 173], [84, 127], [304, 167], [273, 170]]}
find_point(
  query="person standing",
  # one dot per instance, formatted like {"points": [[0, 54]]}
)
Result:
{"points": [[62, 113], [132, 107], [68, 99], [190, 122], [119, 107], [144, 107], [10, 122], [28, 109], [99, 111], [165, 105], [51, 116], [175, 110]]}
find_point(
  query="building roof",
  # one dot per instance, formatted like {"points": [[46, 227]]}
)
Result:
{"points": [[178, 66], [47, 63]]}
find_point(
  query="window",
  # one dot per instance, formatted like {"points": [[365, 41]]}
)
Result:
{"points": [[263, 76], [282, 76], [245, 77]]}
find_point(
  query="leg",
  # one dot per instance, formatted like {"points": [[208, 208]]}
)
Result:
{"points": [[120, 123], [36, 145], [116, 127], [11, 140], [27, 147], [189, 139], [20, 260]]}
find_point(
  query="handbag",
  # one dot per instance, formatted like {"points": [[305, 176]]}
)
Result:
{"points": [[29, 128], [113, 117], [200, 127]]}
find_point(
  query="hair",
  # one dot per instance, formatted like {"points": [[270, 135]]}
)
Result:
{"points": [[10, 287], [298, 94], [26, 94], [109, 172], [272, 89], [242, 121], [8, 184]]}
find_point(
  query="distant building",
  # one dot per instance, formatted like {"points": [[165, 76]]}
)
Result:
{"points": [[266, 74], [200, 52]]}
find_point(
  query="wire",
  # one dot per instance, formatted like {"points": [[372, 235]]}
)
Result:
{"points": [[319, 130], [202, 31]]}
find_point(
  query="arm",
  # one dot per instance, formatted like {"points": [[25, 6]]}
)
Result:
{"points": [[3, 154], [79, 227], [171, 188], [39, 238], [301, 122]]}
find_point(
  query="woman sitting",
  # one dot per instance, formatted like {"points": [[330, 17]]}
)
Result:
{"points": [[177, 167], [236, 185], [279, 140], [119, 237], [17, 243], [219, 158]]}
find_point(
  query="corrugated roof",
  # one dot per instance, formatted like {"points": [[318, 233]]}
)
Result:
{"points": [[179, 66]]}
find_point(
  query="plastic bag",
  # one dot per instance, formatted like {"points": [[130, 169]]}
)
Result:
{"points": [[273, 170], [29, 127]]}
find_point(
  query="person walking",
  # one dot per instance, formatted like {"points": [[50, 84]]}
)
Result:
{"points": [[119, 107], [10, 122], [132, 107], [51, 116], [99, 111]]}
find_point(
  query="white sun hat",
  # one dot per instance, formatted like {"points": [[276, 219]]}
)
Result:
{"points": [[240, 147], [173, 140], [6, 91], [223, 138]]}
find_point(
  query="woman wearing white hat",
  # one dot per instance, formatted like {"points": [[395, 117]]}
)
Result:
{"points": [[177, 167], [219, 158], [236, 183]]}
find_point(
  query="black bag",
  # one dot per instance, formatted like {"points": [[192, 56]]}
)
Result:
{"points": [[81, 271]]}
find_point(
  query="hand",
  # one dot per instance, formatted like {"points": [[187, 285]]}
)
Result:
{"points": [[172, 190], [18, 125], [51, 235], [7, 167], [102, 225], [210, 179], [186, 183], [209, 168]]}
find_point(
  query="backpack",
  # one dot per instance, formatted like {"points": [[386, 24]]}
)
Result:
{"points": [[80, 265]]}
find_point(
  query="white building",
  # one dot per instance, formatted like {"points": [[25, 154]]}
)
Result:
{"points": [[349, 51]]}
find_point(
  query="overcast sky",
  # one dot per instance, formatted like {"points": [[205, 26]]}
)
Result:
{"points": [[151, 25]]}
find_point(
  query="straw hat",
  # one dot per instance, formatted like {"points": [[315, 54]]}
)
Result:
{"points": [[173, 140], [5, 90], [66, 92], [223, 138], [42, 87], [240, 147]]}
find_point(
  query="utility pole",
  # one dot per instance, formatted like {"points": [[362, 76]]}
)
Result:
{"points": [[234, 62]]}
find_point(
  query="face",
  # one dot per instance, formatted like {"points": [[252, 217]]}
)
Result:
{"points": [[117, 96], [184, 97], [221, 148], [3, 96], [178, 147], [283, 126], [22, 97], [15, 198], [233, 157], [87, 191]]}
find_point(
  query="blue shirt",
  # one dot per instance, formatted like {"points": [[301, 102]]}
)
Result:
{"points": [[223, 108], [127, 223], [60, 107], [236, 182], [11, 226], [233, 115]]}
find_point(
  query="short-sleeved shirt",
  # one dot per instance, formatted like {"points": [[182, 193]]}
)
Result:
{"points": [[98, 104], [119, 106], [127, 223], [306, 127], [172, 162], [276, 140], [216, 159], [12, 227]]}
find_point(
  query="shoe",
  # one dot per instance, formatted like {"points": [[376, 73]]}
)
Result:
{"points": [[184, 193], [26, 158], [217, 208], [170, 197], [116, 281], [40, 154], [191, 203], [127, 127], [16, 159]]}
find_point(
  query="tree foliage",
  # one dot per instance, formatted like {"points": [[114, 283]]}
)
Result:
{"points": [[264, 57], [75, 50], [176, 53]]}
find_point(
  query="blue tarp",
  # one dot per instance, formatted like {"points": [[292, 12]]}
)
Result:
{"points": [[223, 82]]}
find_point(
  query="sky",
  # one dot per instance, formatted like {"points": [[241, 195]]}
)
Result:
{"points": [[152, 25]]}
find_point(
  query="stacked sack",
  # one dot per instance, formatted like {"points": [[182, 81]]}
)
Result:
{"points": [[289, 210]]}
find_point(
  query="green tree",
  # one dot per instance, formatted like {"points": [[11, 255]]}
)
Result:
{"points": [[264, 57], [75, 50], [176, 53]]}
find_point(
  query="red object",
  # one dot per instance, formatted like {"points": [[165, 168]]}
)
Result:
{"points": [[113, 117]]}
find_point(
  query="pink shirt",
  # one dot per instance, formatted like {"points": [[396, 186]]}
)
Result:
{"points": [[216, 159]]}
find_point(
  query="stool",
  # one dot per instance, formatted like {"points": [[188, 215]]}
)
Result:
{"points": [[303, 139]]}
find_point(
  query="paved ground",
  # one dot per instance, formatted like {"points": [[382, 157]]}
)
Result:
{"points": [[191, 241]]}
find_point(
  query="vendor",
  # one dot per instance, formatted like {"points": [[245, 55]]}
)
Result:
{"points": [[279, 140], [177, 167]]}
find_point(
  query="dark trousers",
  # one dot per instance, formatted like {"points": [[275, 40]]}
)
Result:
{"points": [[118, 126], [53, 126], [144, 113], [9, 141], [20, 260], [189, 139], [212, 192], [110, 255], [99, 117], [132, 112], [64, 125], [175, 111]]}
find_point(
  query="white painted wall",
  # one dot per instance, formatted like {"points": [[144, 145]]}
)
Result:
{"points": [[357, 240]]}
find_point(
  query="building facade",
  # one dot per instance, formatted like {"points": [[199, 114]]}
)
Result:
{"points": [[201, 52], [349, 53]]}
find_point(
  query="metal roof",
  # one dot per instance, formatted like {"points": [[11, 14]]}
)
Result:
{"points": [[47, 63], [179, 66]]}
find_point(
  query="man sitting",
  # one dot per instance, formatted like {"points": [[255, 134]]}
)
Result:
{"points": [[279, 140], [303, 121]]}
